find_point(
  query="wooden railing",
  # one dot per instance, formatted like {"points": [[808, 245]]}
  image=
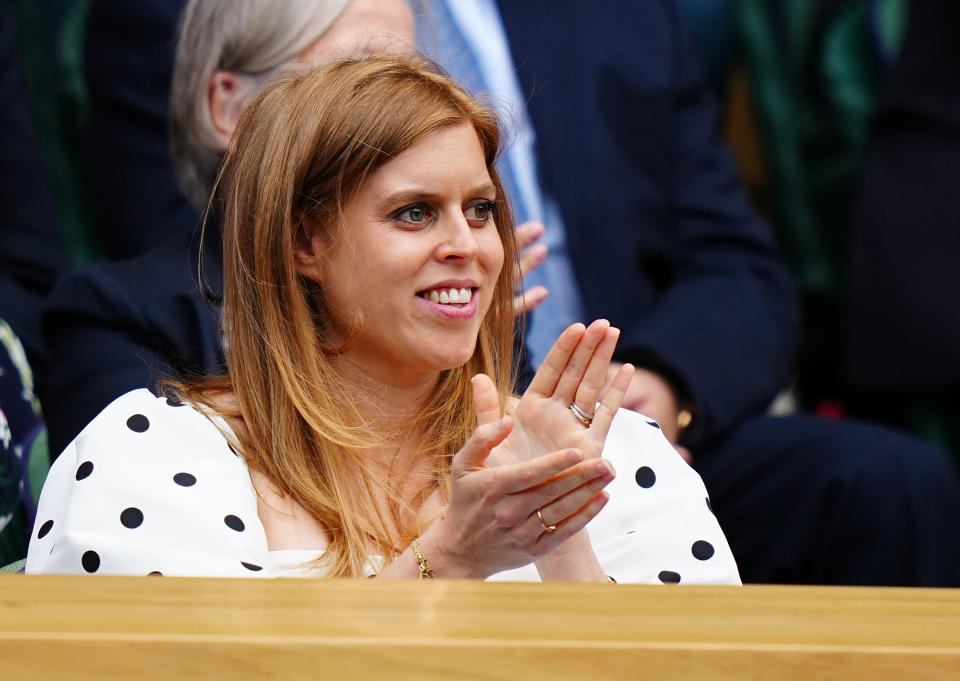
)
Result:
{"points": [[79, 628]]}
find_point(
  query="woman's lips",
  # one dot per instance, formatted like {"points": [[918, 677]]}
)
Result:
{"points": [[451, 301]]}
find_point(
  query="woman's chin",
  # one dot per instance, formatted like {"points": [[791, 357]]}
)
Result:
{"points": [[451, 358]]}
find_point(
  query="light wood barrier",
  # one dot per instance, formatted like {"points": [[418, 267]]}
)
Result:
{"points": [[80, 628]]}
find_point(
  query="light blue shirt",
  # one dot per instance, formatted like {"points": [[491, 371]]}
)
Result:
{"points": [[468, 39]]}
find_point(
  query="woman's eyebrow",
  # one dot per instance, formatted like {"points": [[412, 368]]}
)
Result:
{"points": [[407, 196]]}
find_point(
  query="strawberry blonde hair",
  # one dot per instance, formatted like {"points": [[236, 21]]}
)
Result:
{"points": [[302, 149]]}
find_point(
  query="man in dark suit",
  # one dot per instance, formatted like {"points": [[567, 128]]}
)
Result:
{"points": [[661, 241], [903, 331]]}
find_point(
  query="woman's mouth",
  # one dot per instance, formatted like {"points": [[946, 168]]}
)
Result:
{"points": [[448, 296], [451, 302]]}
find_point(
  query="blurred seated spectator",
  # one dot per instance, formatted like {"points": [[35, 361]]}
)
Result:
{"points": [[903, 332], [815, 72]]}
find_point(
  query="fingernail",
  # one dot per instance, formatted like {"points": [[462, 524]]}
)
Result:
{"points": [[574, 456]]}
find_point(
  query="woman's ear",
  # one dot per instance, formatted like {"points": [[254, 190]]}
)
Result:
{"points": [[227, 95], [307, 253]]}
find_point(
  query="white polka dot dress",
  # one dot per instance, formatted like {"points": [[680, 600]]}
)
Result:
{"points": [[152, 487]]}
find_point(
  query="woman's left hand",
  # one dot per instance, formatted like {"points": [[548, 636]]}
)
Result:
{"points": [[574, 372]]}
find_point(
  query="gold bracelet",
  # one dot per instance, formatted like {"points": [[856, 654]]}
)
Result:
{"points": [[425, 571]]}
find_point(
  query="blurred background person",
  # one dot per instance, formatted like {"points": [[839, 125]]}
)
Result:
{"points": [[902, 348]]}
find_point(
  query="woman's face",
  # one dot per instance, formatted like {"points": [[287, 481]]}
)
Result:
{"points": [[419, 259]]}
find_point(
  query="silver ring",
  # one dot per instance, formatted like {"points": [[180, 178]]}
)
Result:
{"points": [[546, 528], [582, 416]]}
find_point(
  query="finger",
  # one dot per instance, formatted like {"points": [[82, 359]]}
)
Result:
{"points": [[486, 400], [527, 233], [474, 453], [595, 376], [571, 524], [529, 300], [611, 402], [562, 507], [612, 370], [545, 380], [530, 259], [576, 368], [594, 474], [517, 477]]}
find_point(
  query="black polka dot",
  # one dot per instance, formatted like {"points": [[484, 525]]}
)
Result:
{"points": [[654, 424], [155, 573], [709, 505], [174, 401], [645, 477], [234, 523], [90, 561], [669, 577], [251, 566], [138, 423], [702, 550], [84, 470], [131, 517], [45, 529], [185, 479]]}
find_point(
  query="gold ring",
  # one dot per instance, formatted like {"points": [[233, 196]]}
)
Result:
{"points": [[546, 528], [582, 416]]}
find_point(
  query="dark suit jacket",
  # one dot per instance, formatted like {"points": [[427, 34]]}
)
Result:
{"points": [[904, 330], [129, 324], [134, 196], [31, 253], [663, 240]]}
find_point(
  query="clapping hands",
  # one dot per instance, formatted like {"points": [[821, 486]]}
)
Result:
{"points": [[524, 484], [574, 372]]}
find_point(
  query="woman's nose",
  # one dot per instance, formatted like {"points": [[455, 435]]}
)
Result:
{"points": [[459, 240]]}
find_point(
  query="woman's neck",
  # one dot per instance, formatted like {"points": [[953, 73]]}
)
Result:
{"points": [[387, 400]]}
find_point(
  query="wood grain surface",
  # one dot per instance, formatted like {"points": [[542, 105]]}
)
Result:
{"points": [[81, 628]]}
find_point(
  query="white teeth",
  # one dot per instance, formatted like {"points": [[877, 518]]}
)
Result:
{"points": [[452, 296]]}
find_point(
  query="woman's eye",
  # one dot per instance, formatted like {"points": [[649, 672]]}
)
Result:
{"points": [[412, 214], [481, 212]]}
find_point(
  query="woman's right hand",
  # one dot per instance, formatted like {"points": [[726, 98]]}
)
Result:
{"points": [[491, 523]]}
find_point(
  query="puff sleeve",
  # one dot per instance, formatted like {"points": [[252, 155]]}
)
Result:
{"points": [[150, 486]]}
